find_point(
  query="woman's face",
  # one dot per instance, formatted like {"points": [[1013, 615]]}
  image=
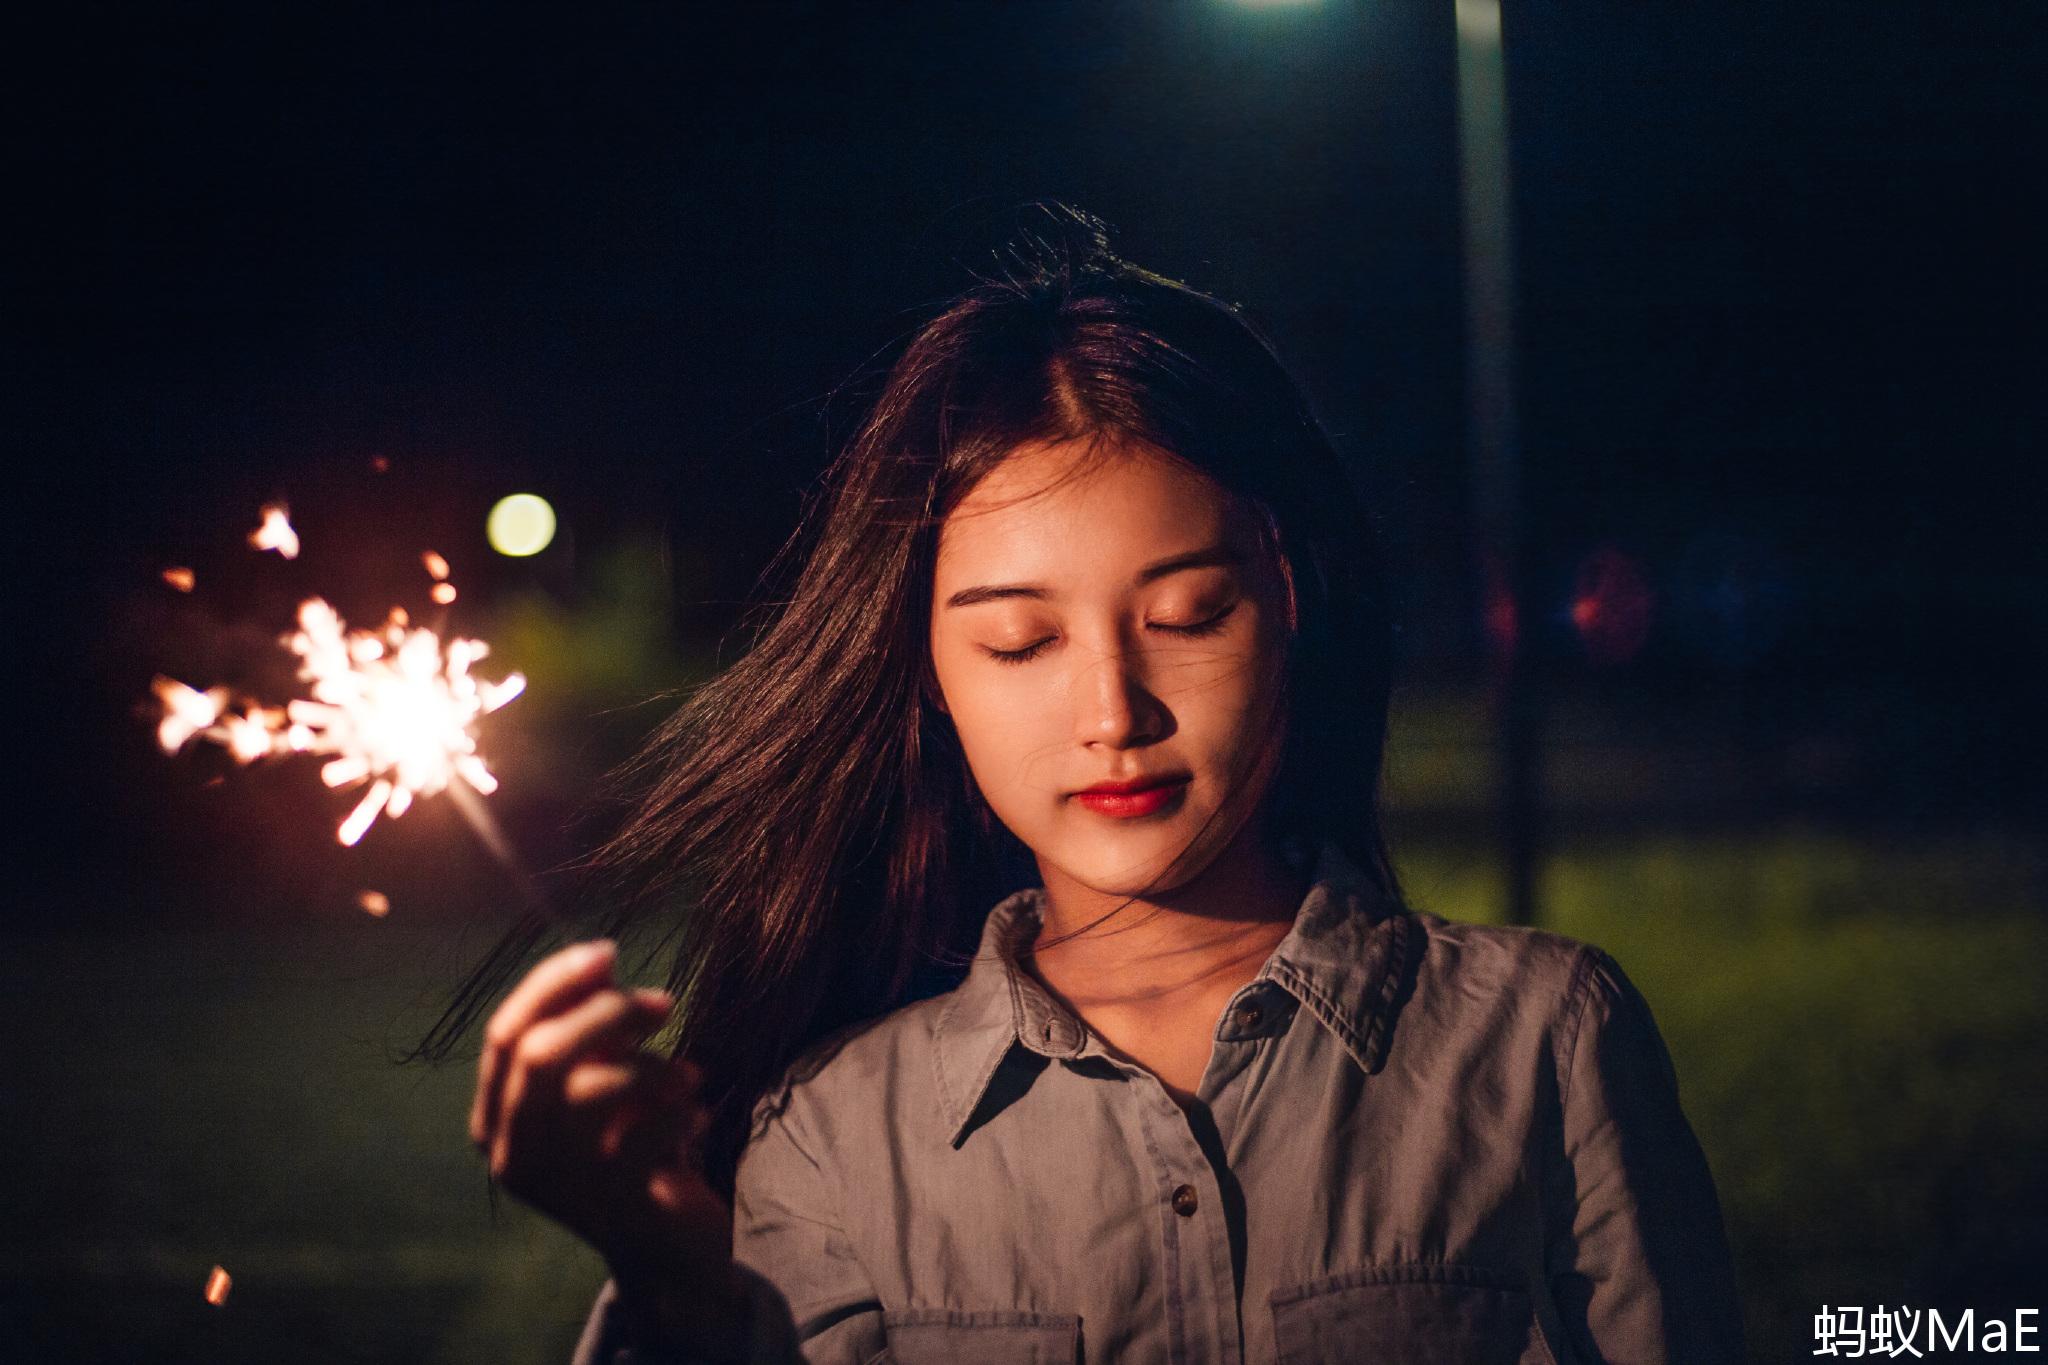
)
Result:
{"points": [[1119, 625]]}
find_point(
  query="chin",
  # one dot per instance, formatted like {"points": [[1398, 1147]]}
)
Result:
{"points": [[1134, 862]]}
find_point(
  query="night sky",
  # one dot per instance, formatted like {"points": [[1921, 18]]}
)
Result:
{"points": [[1779, 294]]}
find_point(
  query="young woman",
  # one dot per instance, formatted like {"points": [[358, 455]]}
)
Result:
{"points": [[1083, 686]]}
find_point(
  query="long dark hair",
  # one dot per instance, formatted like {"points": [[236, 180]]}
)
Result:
{"points": [[804, 833]]}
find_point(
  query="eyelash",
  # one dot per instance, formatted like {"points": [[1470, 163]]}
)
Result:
{"points": [[1019, 656]]}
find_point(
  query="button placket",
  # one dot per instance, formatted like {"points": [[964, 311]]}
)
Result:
{"points": [[1204, 1261]]}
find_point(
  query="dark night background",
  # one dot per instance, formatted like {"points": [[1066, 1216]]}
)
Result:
{"points": [[1778, 346]]}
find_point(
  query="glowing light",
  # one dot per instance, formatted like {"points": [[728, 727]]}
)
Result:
{"points": [[1498, 615], [520, 525], [180, 578], [1612, 605], [218, 1282], [436, 566], [444, 593], [1479, 20], [187, 711], [276, 532], [395, 708], [375, 902]]}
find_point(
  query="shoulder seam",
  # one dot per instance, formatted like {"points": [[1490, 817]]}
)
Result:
{"points": [[1578, 994]]}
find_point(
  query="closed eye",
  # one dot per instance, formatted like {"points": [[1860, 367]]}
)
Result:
{"points": [[1016, 656], [1208, 627], [1030, 652]]}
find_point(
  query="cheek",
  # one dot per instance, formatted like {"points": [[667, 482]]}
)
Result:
{"points": [[1229, 708], [997, 713]]}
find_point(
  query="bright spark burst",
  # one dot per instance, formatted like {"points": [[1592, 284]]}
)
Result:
{"points": [[395, 708]]}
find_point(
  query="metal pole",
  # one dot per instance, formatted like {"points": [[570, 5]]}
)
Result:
{"points": [[1502, 540]]}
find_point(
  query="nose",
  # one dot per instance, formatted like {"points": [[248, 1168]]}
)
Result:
{"points": [[1113, 705]]}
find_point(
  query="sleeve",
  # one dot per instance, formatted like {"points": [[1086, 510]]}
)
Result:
{"points": [[809, 1299], [788, 1227], [1639, 1264]]}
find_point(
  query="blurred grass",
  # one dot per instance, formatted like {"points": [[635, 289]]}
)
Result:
{"points": [[1856, 1023], [1857, 1027], [201, 1095]]}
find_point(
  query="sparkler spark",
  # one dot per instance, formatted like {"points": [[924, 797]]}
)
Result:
{"points": [[394, 708], [187, 711], [217, 1285], [276, 532]]}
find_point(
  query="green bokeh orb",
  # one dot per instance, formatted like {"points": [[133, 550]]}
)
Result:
{"points": [[520, 525]]}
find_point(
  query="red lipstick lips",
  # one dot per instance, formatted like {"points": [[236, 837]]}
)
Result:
{"points": [[1135, 797]]}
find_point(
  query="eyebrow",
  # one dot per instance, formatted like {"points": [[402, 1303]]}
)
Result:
{"points": [[1195, 559]]}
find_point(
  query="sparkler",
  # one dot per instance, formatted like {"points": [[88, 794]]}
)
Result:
{"points": [[394, 710]]}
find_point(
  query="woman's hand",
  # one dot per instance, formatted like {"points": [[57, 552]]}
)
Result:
{"points": [[576, 1119]]}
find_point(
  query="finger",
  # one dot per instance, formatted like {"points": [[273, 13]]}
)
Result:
{"points": [[656, 1005], [653, 999], [646, 1117], [556, 982], [589, 1082], [611, 1021], [607, 1018]]}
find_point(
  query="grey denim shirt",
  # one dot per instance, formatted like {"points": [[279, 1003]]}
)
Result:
{"points": [[1415, 1140]]}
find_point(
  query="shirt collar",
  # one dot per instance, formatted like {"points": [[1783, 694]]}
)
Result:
{"points": [[1343, 960]]}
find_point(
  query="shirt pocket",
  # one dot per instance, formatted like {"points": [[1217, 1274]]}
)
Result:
{"points": [[1410, 1313], [946, 1336]]}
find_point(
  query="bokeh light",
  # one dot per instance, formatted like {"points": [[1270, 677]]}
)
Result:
{"points": [[520, 525], [1734, 598], [1612, 605]]}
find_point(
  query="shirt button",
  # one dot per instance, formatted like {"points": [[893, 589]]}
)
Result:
{"points": [[1248, 1017], [1184, 1201]]}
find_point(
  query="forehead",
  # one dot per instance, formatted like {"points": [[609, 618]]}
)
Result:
{"points": [[1053, 511]]}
